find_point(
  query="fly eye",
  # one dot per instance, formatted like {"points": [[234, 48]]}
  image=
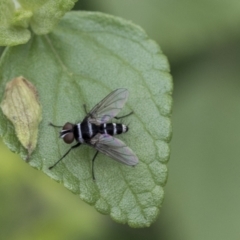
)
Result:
{"points": [[68, 138], [67, 126], [67, 133]]}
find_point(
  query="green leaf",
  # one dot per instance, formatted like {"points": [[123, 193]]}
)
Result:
{"points": [[46, 13], [12, 24], [86, 57], [17, 16]]}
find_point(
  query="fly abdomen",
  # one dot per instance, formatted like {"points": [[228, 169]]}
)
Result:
{"points": [[112, 128]]}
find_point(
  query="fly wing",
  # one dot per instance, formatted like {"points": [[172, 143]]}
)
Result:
{"points": [[114, 148], [109, 107]]}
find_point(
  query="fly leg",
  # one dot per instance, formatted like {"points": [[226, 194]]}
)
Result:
{"points": [[93, 176], [87, 113], [85, 108], [77, 145], [51, 124]]}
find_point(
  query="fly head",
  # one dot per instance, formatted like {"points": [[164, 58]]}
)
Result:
{"points": [[67, 133]]}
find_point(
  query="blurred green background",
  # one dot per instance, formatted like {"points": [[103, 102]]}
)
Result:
{"points": [[202, 195]]}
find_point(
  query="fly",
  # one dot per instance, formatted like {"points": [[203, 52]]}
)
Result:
{"points": [[96, 131]]}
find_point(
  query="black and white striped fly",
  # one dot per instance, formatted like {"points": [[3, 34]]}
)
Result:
{"points": [[96, 132]]}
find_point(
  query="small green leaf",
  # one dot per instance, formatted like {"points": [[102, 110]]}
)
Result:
{"points": [[41, 15], [13, 24], [46, 14], [86, 57]]}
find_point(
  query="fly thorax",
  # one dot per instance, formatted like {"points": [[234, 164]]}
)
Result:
{"points": [[86, 131], [78, 133]]}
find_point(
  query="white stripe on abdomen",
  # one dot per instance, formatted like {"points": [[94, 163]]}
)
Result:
{"points": [[80, 139]]}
